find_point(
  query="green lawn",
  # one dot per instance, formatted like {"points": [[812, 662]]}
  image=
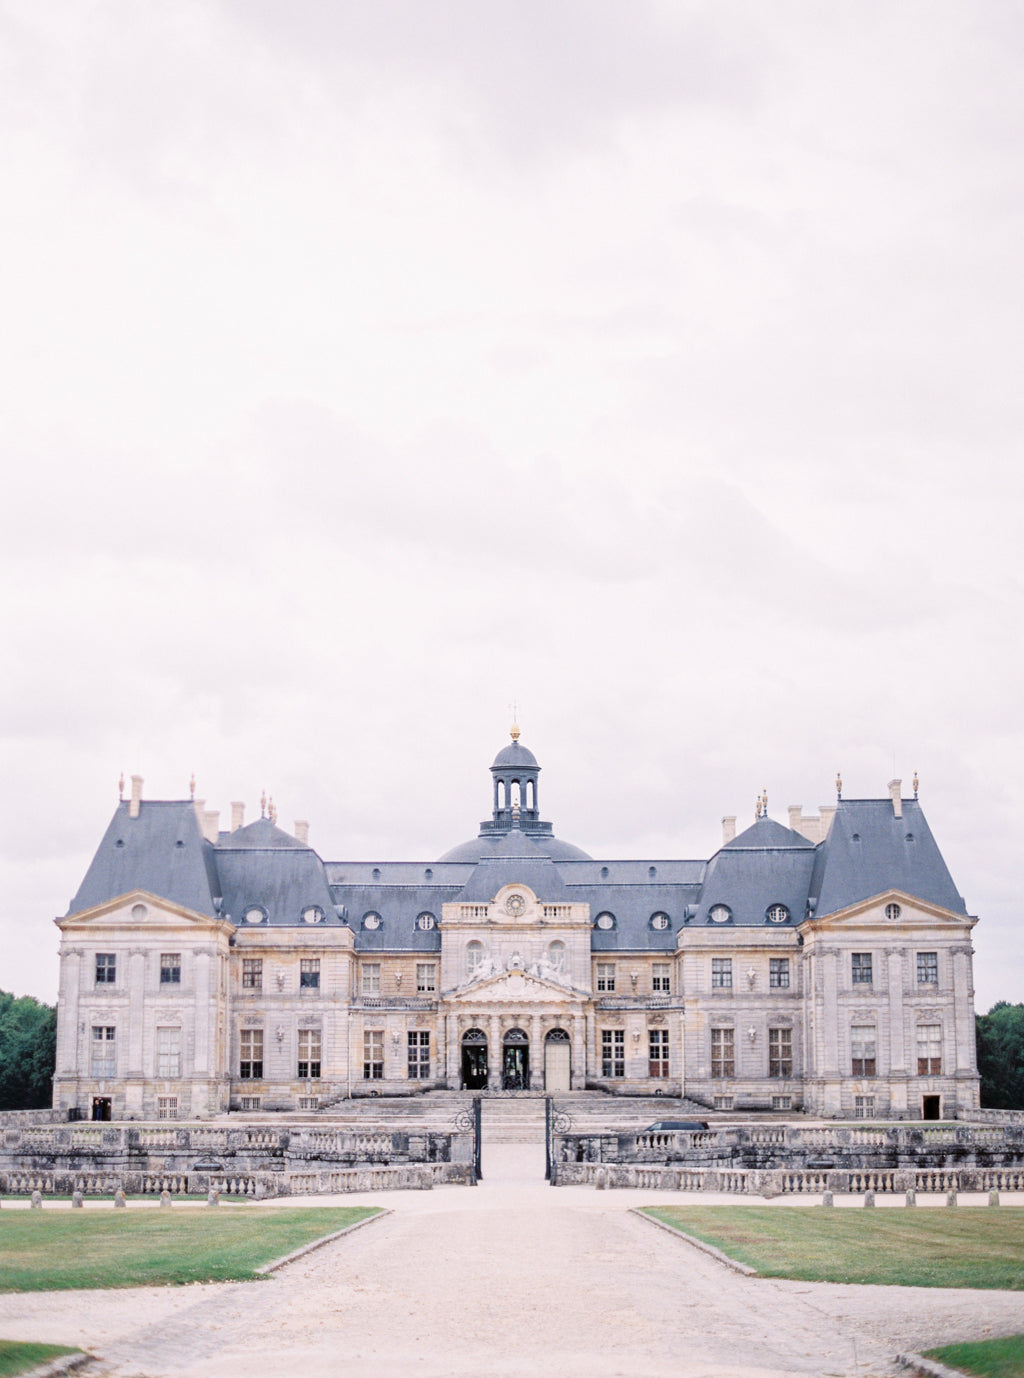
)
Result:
{"points": [[16, 1357], [50, 1250], [898, 1247], [985, 1358]]}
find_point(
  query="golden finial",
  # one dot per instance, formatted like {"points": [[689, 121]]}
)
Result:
{"points": [[263, 804], [120, 786], [192, 785], [915, 784]]}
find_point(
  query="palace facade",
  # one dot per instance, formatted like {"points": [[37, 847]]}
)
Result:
{"points": [[823, 965]]}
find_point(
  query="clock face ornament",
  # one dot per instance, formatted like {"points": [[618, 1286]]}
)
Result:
{"points": [[515, 905]]}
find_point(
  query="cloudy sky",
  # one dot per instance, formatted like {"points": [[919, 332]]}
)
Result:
{"points": [[367, 368]]}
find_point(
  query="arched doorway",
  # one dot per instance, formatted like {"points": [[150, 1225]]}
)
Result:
{"points": [[474, 1060], [515, 1063], [557, 1061]]}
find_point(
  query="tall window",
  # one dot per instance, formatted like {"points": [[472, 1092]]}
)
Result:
{"points": [[170, 968], [661, 978], [929, 1050], [927, 968], [419, 1054], [861, 968], [168, 1052], [862, 1050], [723, 1053], [309, 974], [658, 1049], [106, 968], [474, 957], [309, 1054], [426, 978], [104, 1050], [252, 973], [778, 973], [373, 1055], [721, 973], [606, 975], [613, 1052], [371, 978], [250, 1064], [780, 1052]]}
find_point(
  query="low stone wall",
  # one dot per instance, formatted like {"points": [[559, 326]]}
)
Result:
{"points": [[254, 1160]]}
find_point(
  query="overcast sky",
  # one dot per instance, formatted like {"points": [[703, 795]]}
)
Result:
{"points": [[367, 367]]}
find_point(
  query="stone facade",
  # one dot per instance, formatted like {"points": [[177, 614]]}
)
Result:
{"points": [[821, 966]]}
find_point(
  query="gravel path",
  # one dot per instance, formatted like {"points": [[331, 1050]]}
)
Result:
{"points": [[511, 1278]]}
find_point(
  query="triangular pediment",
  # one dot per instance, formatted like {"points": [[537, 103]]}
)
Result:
{"points": [[159, 913], [872, 911], [516, 987]]}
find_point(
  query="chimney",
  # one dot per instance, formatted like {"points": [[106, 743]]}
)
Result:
{"points": [[728, 828], [211, 824], [136, 801], [237, 815], [894, 795], [302, 831]]}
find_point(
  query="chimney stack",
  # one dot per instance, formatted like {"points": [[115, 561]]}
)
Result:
{"points": [[302, 831], [237, 815], [894, 794], [136, 800], [728, 828]]}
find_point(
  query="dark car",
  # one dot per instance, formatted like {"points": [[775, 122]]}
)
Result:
{"points": [[670, 1126]]}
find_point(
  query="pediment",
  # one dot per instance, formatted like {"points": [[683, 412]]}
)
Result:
{"points": [[516, 987], [913, 911], [139, 910]]}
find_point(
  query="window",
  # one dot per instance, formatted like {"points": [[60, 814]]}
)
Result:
{"points": [[250, 1064], [778, 973], [104, 1050], [862, 1050], [309, 973], [658, 1048], [862, 968], [780, 1052], [721, 973], [252, 973], [167, 1107], [864, 1107], [929, 1050], [106, 968], [373, 1055], [556, 955], [426, 978], [309, 1054], [927, 968], [723, 1053], [170, 968], [371, 978], [419, 1054], [474, 957], [606, 976], [613, 1052], [661, 978], [168, 1052]]}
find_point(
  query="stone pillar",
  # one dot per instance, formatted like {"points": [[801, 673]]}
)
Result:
{"points": [[494, 1054], [897, 1038], [579, 1053], [536, 1054]]}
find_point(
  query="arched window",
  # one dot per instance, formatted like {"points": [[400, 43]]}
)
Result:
{"points": [[556, 954], [474, 956]]}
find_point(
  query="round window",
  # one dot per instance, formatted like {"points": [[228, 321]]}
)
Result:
{"points": [[777, 913], [893, 911], [605, 920], [720, 913]]}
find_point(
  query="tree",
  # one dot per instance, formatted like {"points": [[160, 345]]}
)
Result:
{"points": [[1001, 1056], [28, 1052]]}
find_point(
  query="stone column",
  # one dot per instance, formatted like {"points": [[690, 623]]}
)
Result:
{"points": [[494, 1054], [897, 1034], [536, 1054], [578, 1080]]}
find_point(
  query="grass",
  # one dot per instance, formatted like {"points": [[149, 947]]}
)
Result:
{"points": [[893, 1247], [16, 1357], [54, 1250], [985, 1358]]}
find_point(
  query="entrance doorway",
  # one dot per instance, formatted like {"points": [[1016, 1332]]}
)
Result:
{"points": [[930, 1107], [515, 1064], [101, 1107], [557, 1061], [474, 1060]]}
